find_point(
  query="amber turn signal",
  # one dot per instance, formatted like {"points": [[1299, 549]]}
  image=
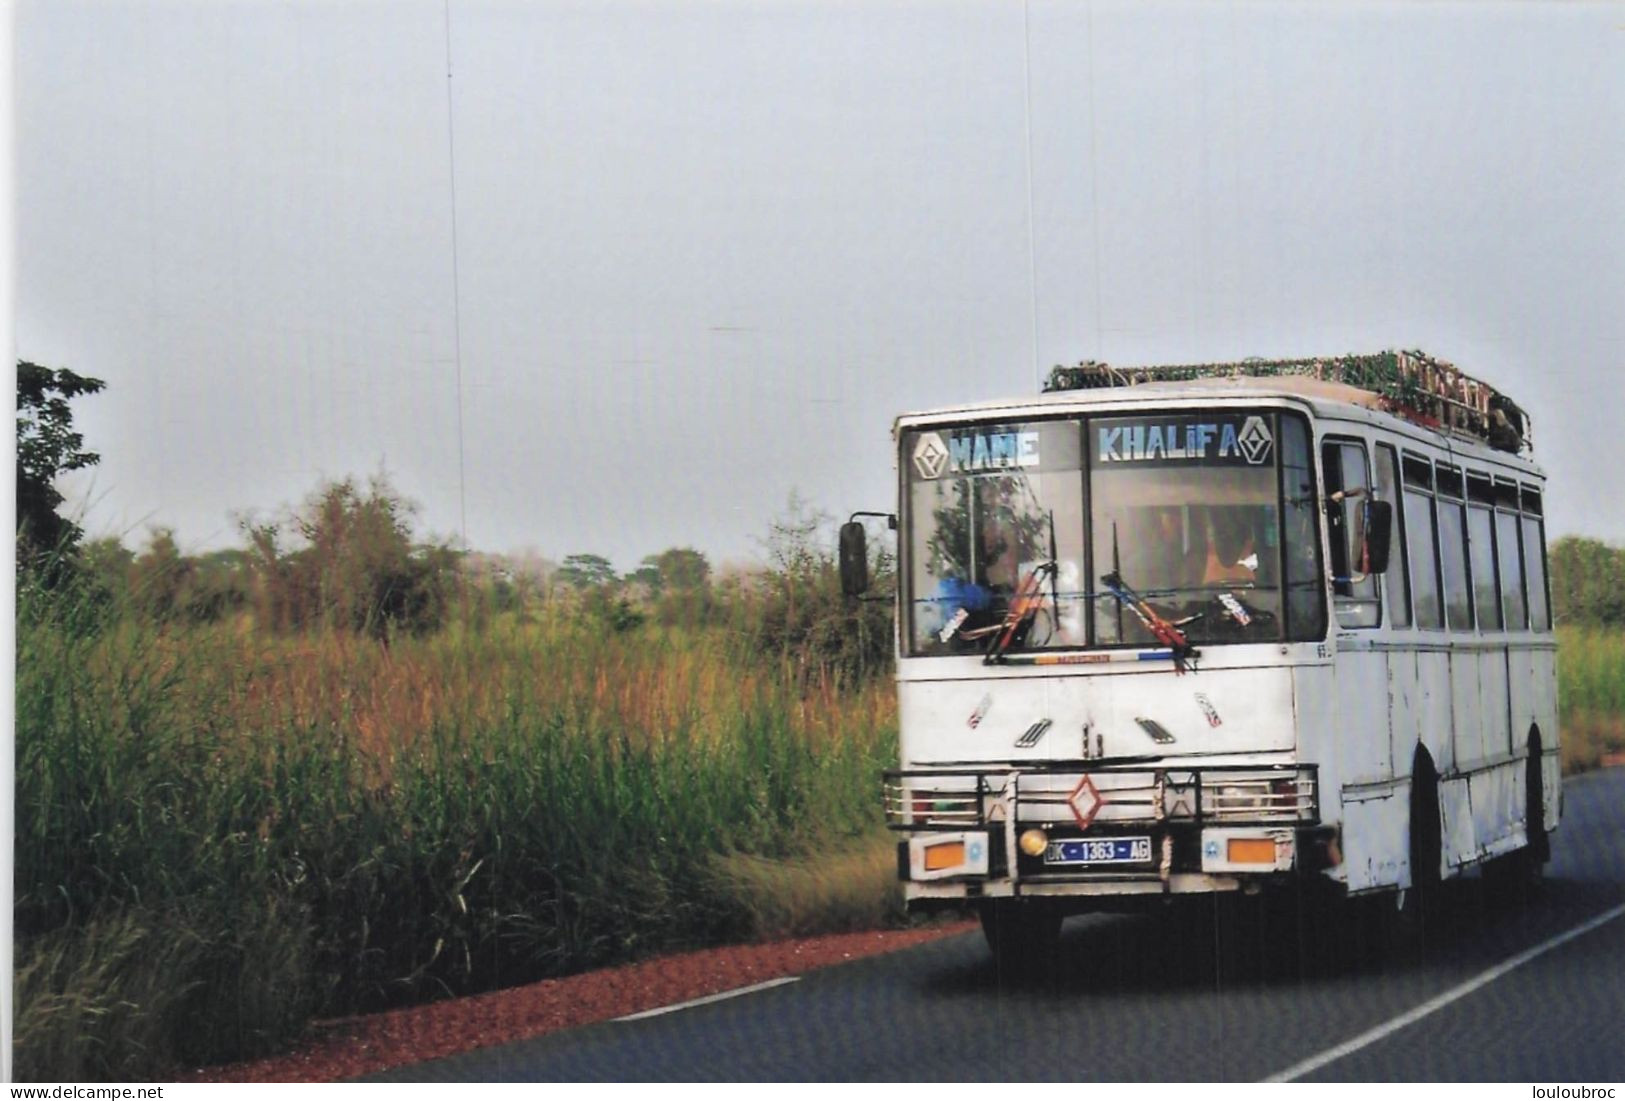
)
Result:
{"points": [[1251, 850]]}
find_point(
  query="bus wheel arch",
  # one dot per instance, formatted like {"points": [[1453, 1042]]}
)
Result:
{"points": [[1425, 848], [1426, 824]]}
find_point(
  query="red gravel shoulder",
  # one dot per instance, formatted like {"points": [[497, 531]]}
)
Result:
{"points": [[355, 1046]]}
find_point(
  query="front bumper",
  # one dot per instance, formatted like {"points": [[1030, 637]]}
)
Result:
{"points": [[1211, 828]]}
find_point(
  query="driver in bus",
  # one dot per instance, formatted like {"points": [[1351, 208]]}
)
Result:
{"points": [[1178, 564], [1232, 553]]}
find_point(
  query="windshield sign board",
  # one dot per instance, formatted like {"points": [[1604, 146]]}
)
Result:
{"points": [[985, 449], [1209, 439]]}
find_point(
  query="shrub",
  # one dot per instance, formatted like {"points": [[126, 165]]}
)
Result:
{"points": [[355, 567]]}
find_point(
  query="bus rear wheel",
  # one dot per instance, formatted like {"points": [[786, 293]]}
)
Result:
{"points": [[1021, 933], [1513, 878]]}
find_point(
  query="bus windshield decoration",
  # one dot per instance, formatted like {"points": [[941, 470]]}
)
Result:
{"points": [[1323, 545]]}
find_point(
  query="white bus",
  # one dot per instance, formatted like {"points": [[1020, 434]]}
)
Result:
{"points": [[1193, 630]]}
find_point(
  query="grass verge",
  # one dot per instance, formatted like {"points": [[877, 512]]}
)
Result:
{"points": [[220, 835]]}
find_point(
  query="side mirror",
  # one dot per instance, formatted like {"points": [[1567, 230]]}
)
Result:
{"points": [[1379, 530], [854, 559]]}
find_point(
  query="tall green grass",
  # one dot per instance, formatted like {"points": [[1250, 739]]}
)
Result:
{"points": [[1591, 694], [221, 835]]}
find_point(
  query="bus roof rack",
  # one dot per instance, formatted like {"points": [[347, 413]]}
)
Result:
{"points": [[1409, 384]]}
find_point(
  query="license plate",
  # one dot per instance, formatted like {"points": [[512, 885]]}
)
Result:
{"points": [[1100, 850]]}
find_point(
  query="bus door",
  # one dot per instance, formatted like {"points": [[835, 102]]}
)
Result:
{"points": [[1362, 670]]}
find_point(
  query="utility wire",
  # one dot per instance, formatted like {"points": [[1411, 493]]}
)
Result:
{"points": [[1094, 190], [1032, 252], [456, 288]]}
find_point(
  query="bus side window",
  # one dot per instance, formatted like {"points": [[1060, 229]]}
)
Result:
{"points": [[1534, 561], [1395, 584], [1481, 552], [1452, 510], [1509, 557], [1354, 592], [1420, 533]]}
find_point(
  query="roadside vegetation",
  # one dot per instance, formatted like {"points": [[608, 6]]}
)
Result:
{"points": [[1588, 600], [223, 834], [342, 766]]}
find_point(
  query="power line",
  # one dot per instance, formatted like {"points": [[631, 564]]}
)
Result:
{"points": [[1032, 252], [456, 288], [1094, 188]]}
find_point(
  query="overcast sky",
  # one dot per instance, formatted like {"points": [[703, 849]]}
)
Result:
{"points": [[696, 255]]}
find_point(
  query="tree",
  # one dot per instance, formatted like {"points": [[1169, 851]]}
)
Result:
{"points": [[107, 562], [678, 580], [1588, 582], [586, 571], [799, 609], [680, 569], [357, 570], [47, 446], [160, 578]]}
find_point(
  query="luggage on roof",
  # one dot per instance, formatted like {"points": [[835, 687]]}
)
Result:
{"points": [[1410, 384]]}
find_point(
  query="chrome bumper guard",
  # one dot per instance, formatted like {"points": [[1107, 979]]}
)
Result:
{"points": [[957, 798]]}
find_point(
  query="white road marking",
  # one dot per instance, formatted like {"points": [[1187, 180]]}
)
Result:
{"points": [[1434, 1004], [709, 998]]}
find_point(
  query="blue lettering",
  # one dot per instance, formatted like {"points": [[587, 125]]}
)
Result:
{"points": [[979, 458], [959, 451], [1136, 442], [1204, 435], [1109, 439], [1174, 450], [1002, 448], [1227, 442], [1153, 443]]}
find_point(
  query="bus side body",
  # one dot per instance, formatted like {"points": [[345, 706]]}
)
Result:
{"points": [[1445, 669]]}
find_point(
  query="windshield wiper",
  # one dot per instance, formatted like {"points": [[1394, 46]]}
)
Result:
{"points": [[1024, 605], [1161, 629]]}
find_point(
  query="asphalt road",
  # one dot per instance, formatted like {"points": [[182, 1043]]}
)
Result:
{"points": [[1213, 995]]}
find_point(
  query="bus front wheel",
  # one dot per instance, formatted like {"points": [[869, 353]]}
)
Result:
{"points": [[1421, 898]]}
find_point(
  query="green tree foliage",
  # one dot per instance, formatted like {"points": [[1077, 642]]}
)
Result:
{"points": [[220, 585], [680, 569], [353, 565], [798, 608], [1588, 582], [679, 579], [586, 571], [161, 576], [107, 563], [47, 446], [168, 586], [600, 591]]}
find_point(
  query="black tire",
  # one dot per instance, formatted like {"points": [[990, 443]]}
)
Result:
{"points": [[1511, 880], [1022, 935], [1540, 843]]}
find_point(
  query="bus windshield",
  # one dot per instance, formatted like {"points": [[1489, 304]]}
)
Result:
{"points": [[1185, 510]]}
